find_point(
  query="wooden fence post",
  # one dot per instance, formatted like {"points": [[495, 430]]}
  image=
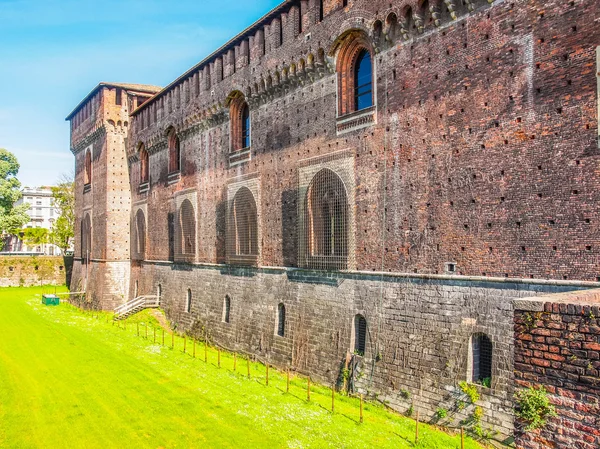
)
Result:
{"points": [[205, 352], [184, 343], [248, 364], [154, 329], [332, 398], [267, 378], [234, 361], [219, 357], [308, 390], [417, 429], [361, 408], [194, 348], [173, 340], [462, 438], [288, 381]]}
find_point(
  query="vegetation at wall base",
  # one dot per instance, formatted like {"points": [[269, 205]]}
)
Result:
{"points": [[534, 407], [78, 379]]}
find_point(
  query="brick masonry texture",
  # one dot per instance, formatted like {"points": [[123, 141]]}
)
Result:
{"points": [[557, 345], [480, 149]]}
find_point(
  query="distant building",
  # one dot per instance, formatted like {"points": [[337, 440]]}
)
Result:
{"points": [[42, 213]]}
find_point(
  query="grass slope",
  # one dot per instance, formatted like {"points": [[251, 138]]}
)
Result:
{"points": [[69, 380]]}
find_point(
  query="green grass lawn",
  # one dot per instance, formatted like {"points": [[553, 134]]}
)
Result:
{"points": [[69, 380]]}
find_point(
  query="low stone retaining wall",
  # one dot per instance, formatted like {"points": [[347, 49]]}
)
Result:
{"points": [[17, 271]]}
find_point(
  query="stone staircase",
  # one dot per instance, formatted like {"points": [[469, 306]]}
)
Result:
{"points": [[136, 305]]}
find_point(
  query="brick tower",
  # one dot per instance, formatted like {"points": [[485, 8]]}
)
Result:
{"points": [[99, 126]]}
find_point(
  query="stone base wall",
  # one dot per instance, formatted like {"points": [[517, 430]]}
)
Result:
{"points": [[557, 345], [29, 271], [418, 329], [106, 283]]}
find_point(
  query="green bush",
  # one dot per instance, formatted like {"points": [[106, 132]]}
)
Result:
{"points": [[534, 407], [441, 413]]}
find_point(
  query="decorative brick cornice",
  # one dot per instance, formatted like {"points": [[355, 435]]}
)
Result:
{"points": [[90, 138]]}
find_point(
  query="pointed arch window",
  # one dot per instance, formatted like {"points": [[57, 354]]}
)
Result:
{"points": [[144, 165], [355, 74], [281, 320], [186, 246], [243, 222], [174, 151], [87, 168], [188, 301], [226, 309], [240, 124], [139, 249], [327, 222]]}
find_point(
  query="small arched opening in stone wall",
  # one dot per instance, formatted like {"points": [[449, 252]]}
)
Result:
{"points": [[139, 241], [481, 360], [239, 121], [144, 164], [86, 238], [188, 301], [281, 320], [227, 309], [174, 151], [355, 73], [159, 293], [243, 235], [136, 289], [359, 340], [186, 248], [327, 222], [87, 168]]}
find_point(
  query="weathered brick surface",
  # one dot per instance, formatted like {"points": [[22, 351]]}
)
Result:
{"points": [[558, 348], [481, 150]]}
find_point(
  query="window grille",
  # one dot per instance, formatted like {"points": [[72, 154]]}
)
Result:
{"points": [[360, 335], [281, 320], [86, 238], [245, 126], [363, 81], [243, 232], [174, 151], [326, 222], [186, 247], [482, 359], [188, 301], [226, 309]]}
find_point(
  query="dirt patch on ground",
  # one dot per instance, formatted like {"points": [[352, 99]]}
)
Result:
{"points": [[161, 318]]}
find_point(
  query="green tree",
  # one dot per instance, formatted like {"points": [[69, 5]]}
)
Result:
{"points": [[12, 217], [34, 236], [63, 229]]}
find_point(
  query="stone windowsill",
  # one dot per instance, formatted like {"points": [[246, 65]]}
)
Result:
{"points": [[173, 178], [356, 120], [238, 157]]}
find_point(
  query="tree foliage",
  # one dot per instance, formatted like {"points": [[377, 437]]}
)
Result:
{"points": [[12, 217], [63, 229], [34, 236]]}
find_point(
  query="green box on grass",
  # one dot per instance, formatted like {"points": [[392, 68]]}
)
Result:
{"points": [[50, 300]]}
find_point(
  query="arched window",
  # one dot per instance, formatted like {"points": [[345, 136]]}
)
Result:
{"points": [[188, 301], [245, 126], [144, 166], [159, 293], [86, 238], [355, 73], [239, 117], [327, 222], [135, 289], [482, 359], [226, 309], [281, 320], [88, 168], [174, 151], [243, 220], [187, 231], [360, 335], [139, 250], [363, 81]]}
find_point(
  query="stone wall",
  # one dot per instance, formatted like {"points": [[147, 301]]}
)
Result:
{"points": [[418, 329], [29, 271], [557, 345]]}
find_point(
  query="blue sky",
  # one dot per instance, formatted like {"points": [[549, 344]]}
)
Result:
{"points": [[53, 52]]}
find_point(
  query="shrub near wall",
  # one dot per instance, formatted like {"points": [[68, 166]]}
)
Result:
{"points": [[31, 270]]}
